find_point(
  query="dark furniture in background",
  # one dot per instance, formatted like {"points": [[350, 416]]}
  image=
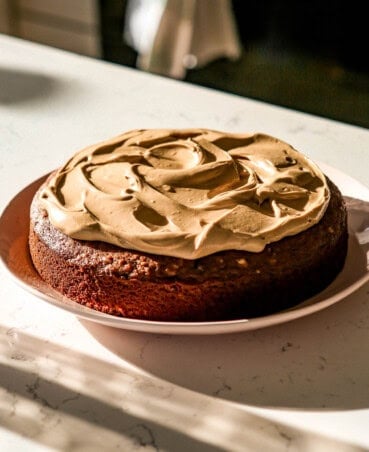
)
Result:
{"points": [[307, 55]]}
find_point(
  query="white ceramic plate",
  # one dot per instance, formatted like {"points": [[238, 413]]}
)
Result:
{"points": [[15, 257]]}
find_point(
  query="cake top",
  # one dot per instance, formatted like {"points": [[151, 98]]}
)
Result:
{"points": [[186, 193]]}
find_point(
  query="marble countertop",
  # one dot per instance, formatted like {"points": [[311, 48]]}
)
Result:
{"points": [[74, 385]]}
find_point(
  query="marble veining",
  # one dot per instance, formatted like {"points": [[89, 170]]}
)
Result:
{"points": [[69, 385]]}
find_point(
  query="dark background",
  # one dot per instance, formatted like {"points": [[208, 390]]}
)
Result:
{"points": [[311, 55]]}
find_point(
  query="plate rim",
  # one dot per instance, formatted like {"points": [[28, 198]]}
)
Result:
{"points": [[198, 328]]}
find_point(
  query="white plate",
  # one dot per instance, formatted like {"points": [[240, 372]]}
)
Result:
{"points": [[16, 260]]}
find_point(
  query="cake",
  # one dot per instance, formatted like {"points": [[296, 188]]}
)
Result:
{"points": [[188, 225]]}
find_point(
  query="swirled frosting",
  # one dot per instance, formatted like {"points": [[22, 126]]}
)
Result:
{"points": [[186, 193]]}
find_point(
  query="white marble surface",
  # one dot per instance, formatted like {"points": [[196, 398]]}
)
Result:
{"points": [[68, 384]]}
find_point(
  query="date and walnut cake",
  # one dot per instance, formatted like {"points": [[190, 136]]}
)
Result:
{"points": [[188, 225]]}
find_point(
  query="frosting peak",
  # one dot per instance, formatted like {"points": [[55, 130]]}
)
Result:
{"points": [[186, 193]]}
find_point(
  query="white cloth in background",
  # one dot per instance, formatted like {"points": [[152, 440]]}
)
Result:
{"points": [[172, 36]]}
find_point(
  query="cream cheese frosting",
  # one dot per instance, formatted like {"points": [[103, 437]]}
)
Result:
{"points": [[186, 193]]}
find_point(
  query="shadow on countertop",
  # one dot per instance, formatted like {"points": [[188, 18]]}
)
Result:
{"points": [[67, 400], [314, 363], [22, 86]]}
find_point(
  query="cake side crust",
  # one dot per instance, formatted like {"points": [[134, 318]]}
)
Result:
{"points": [[225, 285]]}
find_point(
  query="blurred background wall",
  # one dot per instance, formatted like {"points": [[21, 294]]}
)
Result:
{"points": [[307, 55]]}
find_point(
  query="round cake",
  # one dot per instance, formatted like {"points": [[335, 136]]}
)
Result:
{"points": [[188, 225]]}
